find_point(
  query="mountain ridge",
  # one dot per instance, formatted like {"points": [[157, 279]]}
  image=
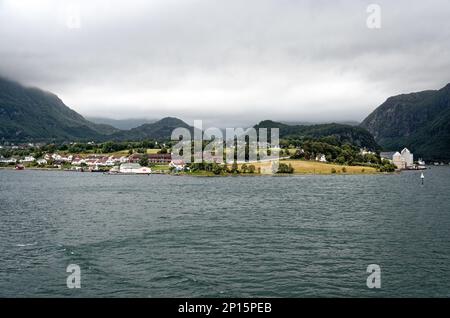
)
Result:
{"points": [[159, 130], [122, 124], [29, 113], [419, 121], [341, 133]]}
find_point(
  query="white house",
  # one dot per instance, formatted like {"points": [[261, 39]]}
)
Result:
{"points": [[8, 160], [112, 161], [28, 159], [321, 158], [364, 151], [178, 165], [41, 162], [77, 161], [123, 159], [59, 158]]}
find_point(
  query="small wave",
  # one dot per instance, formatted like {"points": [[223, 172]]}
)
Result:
{"points": [[26, 244]]}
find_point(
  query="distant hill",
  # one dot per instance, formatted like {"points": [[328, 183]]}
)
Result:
{"points": [[343, 133], [122, 124], [310, 123], [31, 114], [419, 121], [160, 130]]}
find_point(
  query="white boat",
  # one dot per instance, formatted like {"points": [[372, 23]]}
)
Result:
{"points": [[134, 168]]}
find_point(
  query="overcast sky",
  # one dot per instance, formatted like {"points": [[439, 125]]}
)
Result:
{"points": [[228, 62]]}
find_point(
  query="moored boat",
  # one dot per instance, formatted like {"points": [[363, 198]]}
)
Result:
{"points": [[130, 168], [134, 168]]}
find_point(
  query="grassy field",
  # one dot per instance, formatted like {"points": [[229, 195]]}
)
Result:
{"points": [[314, 167], [161, 167], [125, 152], [152, 151]]}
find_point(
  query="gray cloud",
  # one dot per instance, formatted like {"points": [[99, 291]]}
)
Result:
{"points": [[225, 62]]}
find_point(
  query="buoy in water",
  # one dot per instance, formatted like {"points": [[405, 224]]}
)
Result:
{"points": [[422, 177]]}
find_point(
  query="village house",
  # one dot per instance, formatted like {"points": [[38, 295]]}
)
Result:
{"points": [[135, 158], [77, 161], [152, 158], [402, 160], [95, 160], [8, 160], [321, 158], [28, 159], [178, 165], [112, 161], [58, 158], [41, 162], [364, 151], [160, 158], [91, 162], [116, 160], [103, 162]]}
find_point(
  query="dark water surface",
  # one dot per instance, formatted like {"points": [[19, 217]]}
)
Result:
{"points": [[156, 236]]}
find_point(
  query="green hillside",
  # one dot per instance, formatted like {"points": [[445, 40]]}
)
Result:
{"points": [[31, 114], [419, 121], [337, 134]]}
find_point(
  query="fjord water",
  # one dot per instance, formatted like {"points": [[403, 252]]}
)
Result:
{"points": [[169, 236]]}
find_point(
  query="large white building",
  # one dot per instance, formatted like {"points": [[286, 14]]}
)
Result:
{"points": [[403, 160], [408, 156]]}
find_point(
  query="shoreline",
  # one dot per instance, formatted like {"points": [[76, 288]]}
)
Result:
{"points": [[302, 168], [210, 174]]}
